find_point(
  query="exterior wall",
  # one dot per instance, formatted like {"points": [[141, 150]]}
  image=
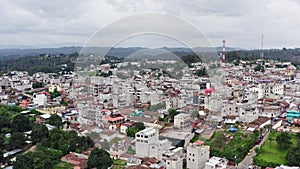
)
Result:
{"points": [[197, 155], [181, 120]]}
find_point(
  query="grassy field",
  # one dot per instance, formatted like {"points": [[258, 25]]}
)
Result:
{"points": [[270, 151], [63, 165], [231, 144], [119, 164]]}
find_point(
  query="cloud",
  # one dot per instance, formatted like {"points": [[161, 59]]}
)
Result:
{"points": [[35, 23]]}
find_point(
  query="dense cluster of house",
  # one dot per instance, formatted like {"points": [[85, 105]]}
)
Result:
{"points": [[109, 105]]}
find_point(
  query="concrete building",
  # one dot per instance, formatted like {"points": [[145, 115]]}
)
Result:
{"points": [[197, 155], [216, 163], [149, 145], [181, 120], [174, 158], [39, 99]]}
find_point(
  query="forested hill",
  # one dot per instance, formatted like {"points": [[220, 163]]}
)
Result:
{"points": [[291, 55]]}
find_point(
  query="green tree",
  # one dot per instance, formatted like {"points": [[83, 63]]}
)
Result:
{"points": [[37, 85], [131, 131], [172, 113], [55, 120], [259, 68], [47, 163], [4, 122], [1, 156], [99, 159], [39, 132], [23, 161], [20, 123], [293, 156], [17, 140], [284, 140], [54, 94], [139, 125]]}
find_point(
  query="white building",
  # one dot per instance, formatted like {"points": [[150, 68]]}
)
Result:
{"points": [[174, 158], [181, 120], [39, 99], [197, 155], [148, 144], [216, 163]]}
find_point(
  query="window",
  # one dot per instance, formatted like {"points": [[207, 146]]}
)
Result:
{"points": [[138, 135], [146, 136]]}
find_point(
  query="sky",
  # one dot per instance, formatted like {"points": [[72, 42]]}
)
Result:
{"points": [[57, 23]]}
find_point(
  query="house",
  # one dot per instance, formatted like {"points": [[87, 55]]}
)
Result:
{"points": [[216, 163], [125, 126], [78, 160], [197, 155], [182, 120], [230, 119], [261, 122], [39, 99], [174, 158], [148, 143], [108, 135], [292, 114], [117, 149]]}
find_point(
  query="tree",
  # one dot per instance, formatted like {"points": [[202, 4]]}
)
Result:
{"points": [[99, 159], [259, 68], [39, 132], [55, 120], [293, 156], [284, 140], [1, 156], [54, 94], [172, 113], [134, 129], [37, 85], [47, 163], [139, 125], [4, 122], [17, 140], [20, 123]]}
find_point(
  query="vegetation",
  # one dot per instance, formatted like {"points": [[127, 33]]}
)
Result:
{"points": [[157, 107], [55, 120], [42, 63], [37, 85], [99, 159], [202, 72], [119, 164], [63, 165], [274, 153], [239, 145], [54, 94], [40, 159], [134, 129], [172, 113], [39, 133], [259, 68], [51, 149]]}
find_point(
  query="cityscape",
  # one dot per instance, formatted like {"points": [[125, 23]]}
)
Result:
{"points": [[150, 89]]}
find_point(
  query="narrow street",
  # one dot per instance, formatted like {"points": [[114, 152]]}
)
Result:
{"points": [[248, 160]]}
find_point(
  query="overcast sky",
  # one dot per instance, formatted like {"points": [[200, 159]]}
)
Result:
{"points": [[56, 23]]}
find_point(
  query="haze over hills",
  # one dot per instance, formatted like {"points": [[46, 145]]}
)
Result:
{"points": [[117, 52], [284, 54]]}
